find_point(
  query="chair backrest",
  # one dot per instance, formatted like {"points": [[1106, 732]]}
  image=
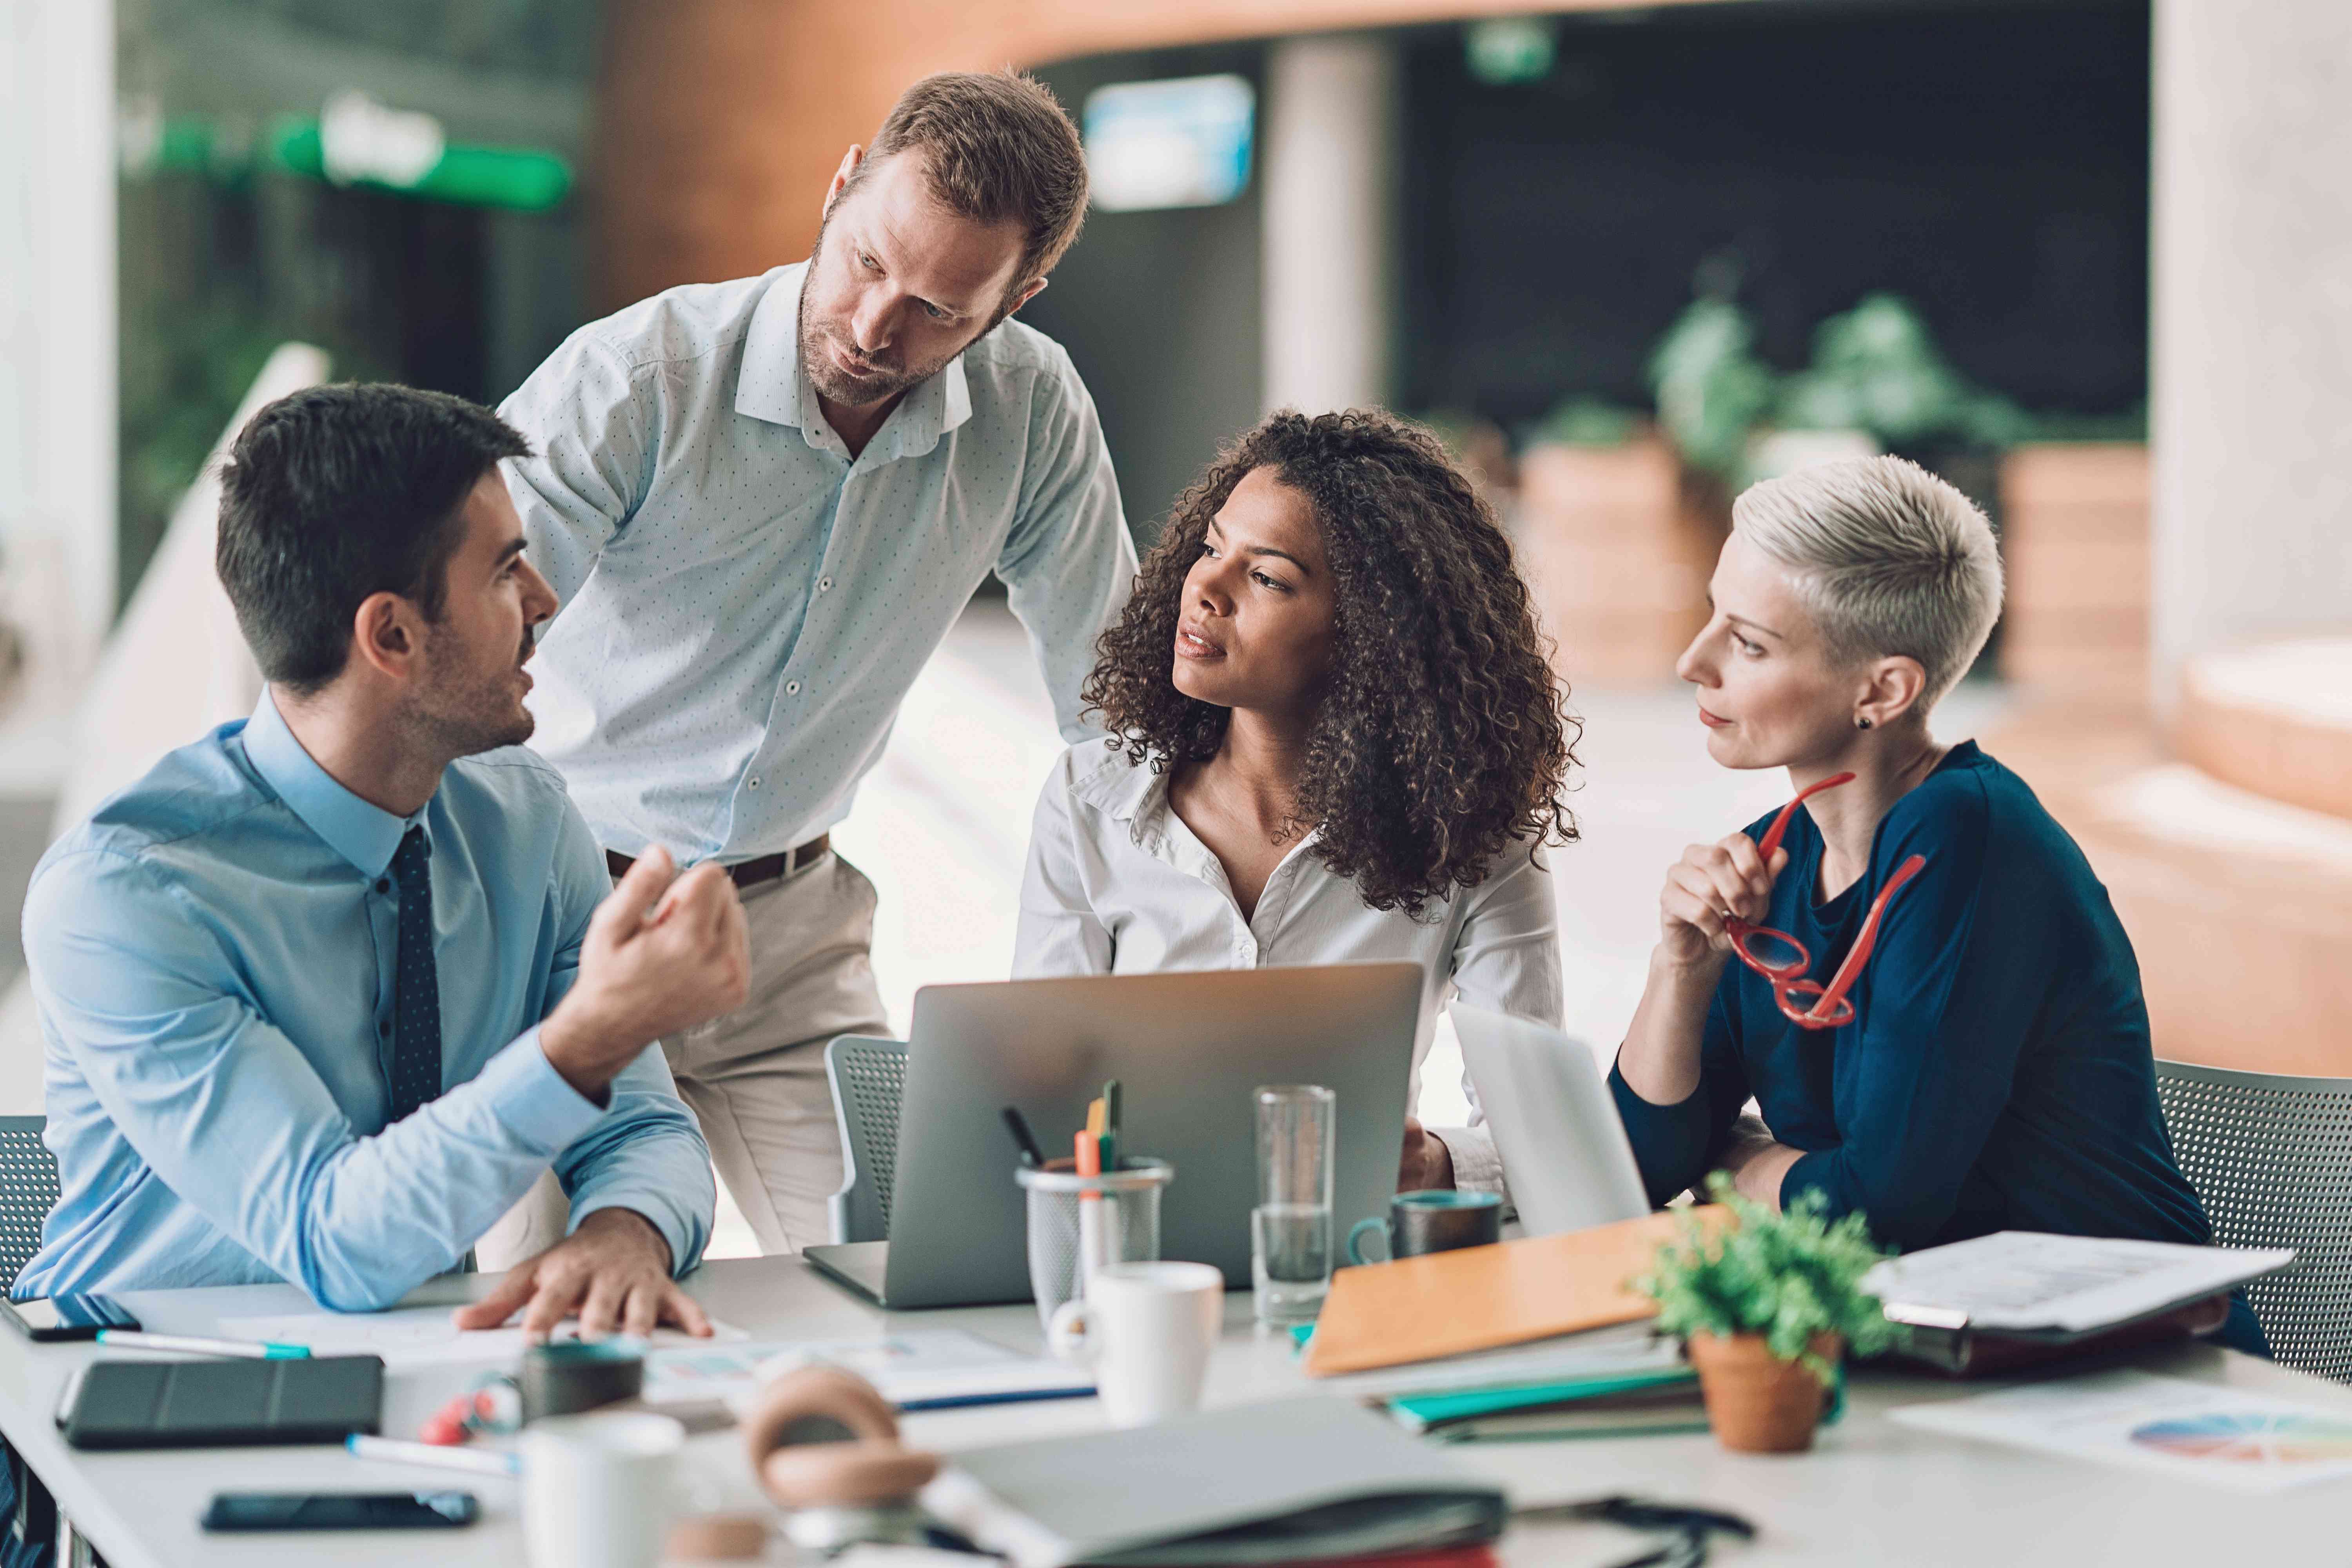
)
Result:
{"points": [[28, 1191], [868, 1078], [2270, 1158]]}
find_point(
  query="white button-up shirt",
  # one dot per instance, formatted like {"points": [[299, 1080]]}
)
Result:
{"points": [[1117, 884], [744, 605]]}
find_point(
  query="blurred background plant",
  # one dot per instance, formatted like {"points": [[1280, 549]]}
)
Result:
{"points": [[1877, 372], [1877, 369], [1712, 389]]}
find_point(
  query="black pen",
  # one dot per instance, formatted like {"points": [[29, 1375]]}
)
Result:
{"points": [[1030, 1155]]}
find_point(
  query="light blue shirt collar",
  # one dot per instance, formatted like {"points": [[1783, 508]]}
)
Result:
{"points": [[364, 834], [773, 384]]}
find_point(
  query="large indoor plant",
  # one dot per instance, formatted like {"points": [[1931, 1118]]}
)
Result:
{"points": [[1765, 1307]]}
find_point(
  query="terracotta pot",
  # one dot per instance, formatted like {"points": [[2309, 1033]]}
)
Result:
{"points": [[1757, 1403]]}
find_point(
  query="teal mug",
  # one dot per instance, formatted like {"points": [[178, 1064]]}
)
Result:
{"points": [[1437, 1220]]}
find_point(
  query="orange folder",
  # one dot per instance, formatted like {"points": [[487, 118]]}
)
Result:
{"points": [[1482, 1297]]}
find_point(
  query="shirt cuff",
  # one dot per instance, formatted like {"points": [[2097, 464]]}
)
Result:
{"points": [[1478, 1168], [1812, 1172], [1648, 1124], [676, 1227], [543, 1112]]}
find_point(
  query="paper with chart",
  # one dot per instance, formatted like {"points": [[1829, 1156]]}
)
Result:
{"points": [[2198, 1431], [2024, 1280], [929, 1368], [416, 1336]]}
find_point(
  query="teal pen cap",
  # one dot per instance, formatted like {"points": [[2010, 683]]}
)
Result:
{"points": [[285, 1353]]}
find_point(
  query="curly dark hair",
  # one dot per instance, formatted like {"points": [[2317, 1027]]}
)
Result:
{"points": [[1443, 738]]}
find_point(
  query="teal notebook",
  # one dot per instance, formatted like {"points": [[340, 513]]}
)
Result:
{"points": [[1424, 1411]]}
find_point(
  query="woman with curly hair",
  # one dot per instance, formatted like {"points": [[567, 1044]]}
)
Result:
{"points": [[1334, 737]]}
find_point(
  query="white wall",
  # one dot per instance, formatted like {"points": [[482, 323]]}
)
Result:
{"points": [[58, 323], [2250, 412], [1328, 169]]}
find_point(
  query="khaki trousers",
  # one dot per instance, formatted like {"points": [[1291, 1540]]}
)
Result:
{"points": [[755, 1078]]}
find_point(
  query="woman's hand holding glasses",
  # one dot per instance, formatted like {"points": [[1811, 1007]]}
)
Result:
{"points": [[1719, 892], [1711, 885]]}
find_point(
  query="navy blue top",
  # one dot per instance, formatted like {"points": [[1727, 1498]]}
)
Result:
{"points": [[1997, 1074]]}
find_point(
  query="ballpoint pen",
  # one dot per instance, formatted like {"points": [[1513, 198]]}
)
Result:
{"points": [[1030, 1155], [193, 1344]]}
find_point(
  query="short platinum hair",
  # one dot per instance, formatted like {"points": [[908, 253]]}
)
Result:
{"points": [[1888, 559]]}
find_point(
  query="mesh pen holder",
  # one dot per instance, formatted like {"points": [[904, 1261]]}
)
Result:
{"points": [[1077, 1224]]}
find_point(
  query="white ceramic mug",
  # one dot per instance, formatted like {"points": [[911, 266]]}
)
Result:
{"points": [[598, 1490], [1148, 1329]]}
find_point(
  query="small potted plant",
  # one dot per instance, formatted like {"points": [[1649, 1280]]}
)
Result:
{"points": [[1766, 1307]]}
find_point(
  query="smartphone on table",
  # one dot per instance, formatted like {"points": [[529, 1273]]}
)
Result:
{"points": [[341, 1511], [66, 1316]]}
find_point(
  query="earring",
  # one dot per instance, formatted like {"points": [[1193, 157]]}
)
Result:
{"points": [[1861, 722]]}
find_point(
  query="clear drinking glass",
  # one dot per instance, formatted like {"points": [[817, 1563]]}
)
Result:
{"points": [[1291, 1229]]}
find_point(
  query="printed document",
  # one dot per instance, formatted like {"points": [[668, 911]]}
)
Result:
{"points": [[2024, 1280], [925, 1369], [2198, 1431]]}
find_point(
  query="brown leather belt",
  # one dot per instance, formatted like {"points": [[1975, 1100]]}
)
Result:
{"points": [[748, 873]]}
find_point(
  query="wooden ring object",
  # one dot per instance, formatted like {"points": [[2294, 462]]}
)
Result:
{"points": [[825, 1437]]}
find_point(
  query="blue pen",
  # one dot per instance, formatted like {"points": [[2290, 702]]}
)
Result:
{"points": [[394, 1450], [253, 1350]]}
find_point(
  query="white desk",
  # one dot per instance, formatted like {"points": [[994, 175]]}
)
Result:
{"points": [[1871, 1493]]}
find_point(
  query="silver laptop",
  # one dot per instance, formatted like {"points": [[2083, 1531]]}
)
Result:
{"points": [[1187, 1049], [1564, 1152]]}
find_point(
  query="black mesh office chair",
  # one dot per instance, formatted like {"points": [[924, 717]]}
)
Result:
{"points": [[28, 1191]]}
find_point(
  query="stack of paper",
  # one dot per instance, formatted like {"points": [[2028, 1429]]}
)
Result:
{"points": [[932, 1369], [2024, 1282]]}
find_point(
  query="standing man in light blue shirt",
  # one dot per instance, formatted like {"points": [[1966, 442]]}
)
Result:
{"points": [[326, 991], [764, 503]]}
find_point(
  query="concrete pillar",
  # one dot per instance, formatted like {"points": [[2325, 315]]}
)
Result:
{"points": [[1327, 172], [58, 324], [2251, 414]]}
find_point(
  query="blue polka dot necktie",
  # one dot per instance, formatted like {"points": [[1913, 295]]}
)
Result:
{"points": [[416, 988]]}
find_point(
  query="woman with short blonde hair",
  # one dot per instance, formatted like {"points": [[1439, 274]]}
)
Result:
{"points": [[1913, 972]]}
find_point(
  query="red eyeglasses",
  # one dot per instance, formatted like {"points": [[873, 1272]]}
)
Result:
{"points": [[1783, 959]]}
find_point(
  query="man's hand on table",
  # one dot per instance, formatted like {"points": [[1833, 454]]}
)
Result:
{"points": [[1425, 1161], [614, 1272]]}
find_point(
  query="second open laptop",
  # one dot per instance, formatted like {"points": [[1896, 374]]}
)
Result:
{"points": [[1187, 1049], [1564, 1151]]}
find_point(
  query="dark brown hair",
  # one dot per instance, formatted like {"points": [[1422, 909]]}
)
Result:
{"points": [[1443, 739], [997, 148], [333, 493]]}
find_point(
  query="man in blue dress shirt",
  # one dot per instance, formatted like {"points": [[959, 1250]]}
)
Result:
{"points": [[326, 991], [764, 503]]}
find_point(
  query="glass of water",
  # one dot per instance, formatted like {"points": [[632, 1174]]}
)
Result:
{"points": [[1291, 1229]]}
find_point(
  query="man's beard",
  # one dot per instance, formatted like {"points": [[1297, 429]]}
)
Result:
{"points": [[457, 711]]}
